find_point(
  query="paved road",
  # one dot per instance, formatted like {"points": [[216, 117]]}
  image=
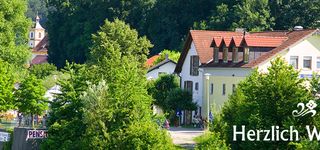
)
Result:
{"points": [[184, 136]]}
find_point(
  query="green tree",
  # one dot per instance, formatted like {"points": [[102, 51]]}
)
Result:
{"points": [[14, 30], [41, 71], [179, 99], [6, 86], [80, 19], [254, 15], [103, 115], [264, 100], [119, 35], [37, 7], [173, 55], [99, 113], [219, 20], [162, 86], [66, 125], [169, 21], [211, 140], [290, 13], [30, 97]]}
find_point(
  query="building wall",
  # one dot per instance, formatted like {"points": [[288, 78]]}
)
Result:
{"points": [[168, 68], [218, 77], [307, 47], [230, 76], [35, 39], [185, 76]]}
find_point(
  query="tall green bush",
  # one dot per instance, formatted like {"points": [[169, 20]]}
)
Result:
{"points": [[264, 100]]}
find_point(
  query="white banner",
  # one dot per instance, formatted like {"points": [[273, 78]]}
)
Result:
{"points": [[4, 137], [37, 134]]}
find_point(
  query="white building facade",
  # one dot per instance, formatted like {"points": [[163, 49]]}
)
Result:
{"points": [[226, 58]]}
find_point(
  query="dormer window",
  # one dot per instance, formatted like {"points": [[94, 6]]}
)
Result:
{"points": [[216, 55], [216, 44], [225, 54], [246, 55], [235, 57], [39, 34]]}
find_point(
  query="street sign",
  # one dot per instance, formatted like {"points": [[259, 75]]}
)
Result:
{"points": [[4, 136], [210, 116], [37, 134], [179, 113]]}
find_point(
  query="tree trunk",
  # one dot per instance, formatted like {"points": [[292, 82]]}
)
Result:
{"points": [[32, 122]]}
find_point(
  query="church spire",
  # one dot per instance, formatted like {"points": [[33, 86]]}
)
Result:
{"points": [[38, 26]]}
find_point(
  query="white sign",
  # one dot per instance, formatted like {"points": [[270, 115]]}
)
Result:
{"points": [[4, 137], [37, 134]]}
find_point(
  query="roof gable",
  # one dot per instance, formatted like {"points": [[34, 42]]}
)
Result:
{"points": [[203, 41]]}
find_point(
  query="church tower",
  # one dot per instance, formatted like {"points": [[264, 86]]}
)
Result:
{"points": [[36, 34]]}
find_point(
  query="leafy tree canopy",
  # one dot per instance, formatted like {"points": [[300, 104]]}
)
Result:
{"points": [[118, 36], [71, 24], [42, 70], [37, 7], [260, 15], [6, 86], [14, 30], [160, 90], [30, 97], [169, 21], [173, 55], [264, 100], [179, 99], [102, 102]]}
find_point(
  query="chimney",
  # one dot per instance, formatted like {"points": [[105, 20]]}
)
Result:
{"points": [[167, 56], [297, 28]]}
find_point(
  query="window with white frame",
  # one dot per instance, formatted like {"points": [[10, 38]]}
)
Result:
{"points": [[294, 61], [307, 62]]}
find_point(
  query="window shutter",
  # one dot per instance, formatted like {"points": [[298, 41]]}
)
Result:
{"points": [[191, 65], [196, 65], [185, 85]]}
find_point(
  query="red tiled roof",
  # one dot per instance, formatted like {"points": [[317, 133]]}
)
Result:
{"points": [[39, 59], [282, 33], [216, 41], [150, 61], [203, 39], [237, 40], [293, 38], [264, 41], [227, 41], [276, 40]]}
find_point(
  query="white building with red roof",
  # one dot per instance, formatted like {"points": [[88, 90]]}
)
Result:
{"points": [[212, 63], [39, 43]]}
